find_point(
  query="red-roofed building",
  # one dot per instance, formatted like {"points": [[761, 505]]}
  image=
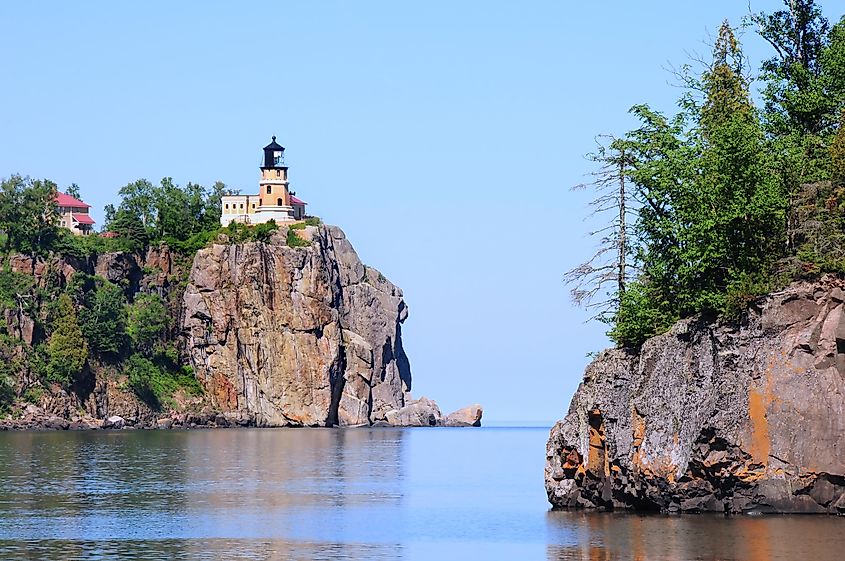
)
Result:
{"points": [[298, 208], [74, 214]]}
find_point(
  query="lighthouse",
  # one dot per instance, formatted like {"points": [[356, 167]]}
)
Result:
{"points": [[273, 201]]}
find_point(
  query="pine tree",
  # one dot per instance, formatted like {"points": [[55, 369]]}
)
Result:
{"points": [[66, 347], [599, 283]]}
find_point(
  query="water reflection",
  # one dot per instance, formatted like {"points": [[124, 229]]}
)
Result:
{"points": [[339, 494], [285, 493], [605, 536]]}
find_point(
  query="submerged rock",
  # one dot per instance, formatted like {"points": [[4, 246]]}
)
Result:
{"points": [[714, 418]]}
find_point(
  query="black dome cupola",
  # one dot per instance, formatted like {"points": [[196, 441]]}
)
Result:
{"points": [[274, 156]]}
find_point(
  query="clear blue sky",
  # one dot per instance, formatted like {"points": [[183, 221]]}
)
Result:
{"points": [[442, 136]]}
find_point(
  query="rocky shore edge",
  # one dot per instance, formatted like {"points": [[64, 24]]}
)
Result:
{"points": [[422, 412]]}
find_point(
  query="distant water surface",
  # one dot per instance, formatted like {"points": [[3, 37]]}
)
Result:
{"points": [[344, 494]]}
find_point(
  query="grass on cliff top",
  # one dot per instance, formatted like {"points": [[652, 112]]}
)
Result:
{"points": [[293, 239]]}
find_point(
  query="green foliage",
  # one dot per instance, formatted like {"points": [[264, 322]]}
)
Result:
{"points": [[28, 215], [817, 229], [7, 392], [313, 221], [33, 394], [16, 289], [73, 191], [804, 90], [744, 290], [837, 155], [239, 233], [733, 202], [93, 244], [130, 230], [147, 322], [642, 314], [185, 217], [11, 366], [156, 380], [103, 317], [293, 240], [67, 348]]}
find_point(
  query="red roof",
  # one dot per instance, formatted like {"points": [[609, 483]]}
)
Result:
{"points": [[83, 218], [296, 201], [66, 200]]}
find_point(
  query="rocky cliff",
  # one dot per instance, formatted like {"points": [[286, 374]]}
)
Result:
{"points": [[302, 336], [739, 419], [278, 334]]}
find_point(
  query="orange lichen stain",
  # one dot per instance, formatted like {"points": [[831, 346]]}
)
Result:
{"points": [[760, 444], [639, 429], [572, 460], [637, 439], [597, 461]]}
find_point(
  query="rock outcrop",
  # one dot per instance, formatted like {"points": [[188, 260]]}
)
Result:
{"points": [[465, 417], [737, 419], [277, 336], [296, 335]]}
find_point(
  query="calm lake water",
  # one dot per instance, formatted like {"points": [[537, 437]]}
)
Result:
{"points": [[340, 494]]}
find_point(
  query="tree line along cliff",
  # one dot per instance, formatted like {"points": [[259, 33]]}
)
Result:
{"points": [[172, 319], [729, 198], [724, 294]]}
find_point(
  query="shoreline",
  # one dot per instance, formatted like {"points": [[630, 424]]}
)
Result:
{"points": [[185, 421]]}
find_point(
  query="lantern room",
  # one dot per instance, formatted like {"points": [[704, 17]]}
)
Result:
{"points": [[274, 156]]}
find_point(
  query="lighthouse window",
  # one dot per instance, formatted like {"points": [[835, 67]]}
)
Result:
{"points": [[268, 189], [242, 205], [227, 206], [278, 173]]}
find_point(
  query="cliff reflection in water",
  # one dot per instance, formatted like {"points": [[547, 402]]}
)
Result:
{"points": [[228, 494], [622, 536], [347, 494]]}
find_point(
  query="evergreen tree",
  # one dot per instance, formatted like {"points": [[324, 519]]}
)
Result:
{"points": [[103, 318], [66, 347], [73, 191], [147, 322], [599, 283]]}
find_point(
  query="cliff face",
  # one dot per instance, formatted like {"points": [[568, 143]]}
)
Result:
{"points": [[714, 418], [296, 336], [276, 335]]}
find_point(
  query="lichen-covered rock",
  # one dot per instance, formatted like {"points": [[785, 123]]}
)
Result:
{"points": [[714, 417], [296, 336]]}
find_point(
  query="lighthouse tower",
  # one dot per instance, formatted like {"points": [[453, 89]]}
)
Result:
{"points": [[274, 200], [273, 195]]}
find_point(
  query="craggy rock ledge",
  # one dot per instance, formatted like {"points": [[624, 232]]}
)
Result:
{"points": [[300, 336], [277, 335], [747, 419]]}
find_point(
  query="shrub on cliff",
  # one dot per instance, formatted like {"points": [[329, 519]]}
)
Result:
{"points": [[66, 347], [293, 239], [156, 380], [731, 199], [103, 316], [147, 321]]}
